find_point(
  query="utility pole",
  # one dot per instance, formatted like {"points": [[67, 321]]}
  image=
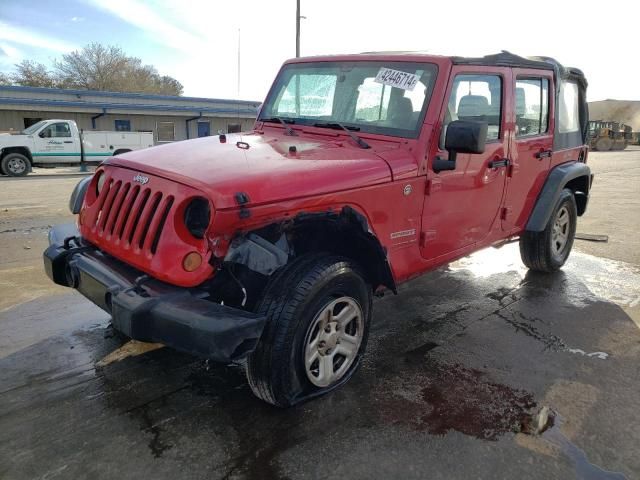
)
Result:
{"points": [[238, 64], [297, 28]]}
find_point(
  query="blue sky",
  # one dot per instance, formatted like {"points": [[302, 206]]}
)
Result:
{"points": [[196, 41]]}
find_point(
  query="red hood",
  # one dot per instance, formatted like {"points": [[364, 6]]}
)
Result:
{"points": [[265, 171]]}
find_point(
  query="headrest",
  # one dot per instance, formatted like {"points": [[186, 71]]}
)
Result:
{"points": [[473, 106]]}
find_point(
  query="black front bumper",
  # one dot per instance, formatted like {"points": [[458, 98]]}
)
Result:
{"points": [[146, 309]]}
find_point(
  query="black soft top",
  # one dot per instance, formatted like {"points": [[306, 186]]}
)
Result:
{"points": [[561, 140], [507, 59]]}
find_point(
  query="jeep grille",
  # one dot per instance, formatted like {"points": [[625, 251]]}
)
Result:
{"points": [[131, 215]]}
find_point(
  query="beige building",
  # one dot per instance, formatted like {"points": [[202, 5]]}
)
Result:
{"points": [[169, 118]]}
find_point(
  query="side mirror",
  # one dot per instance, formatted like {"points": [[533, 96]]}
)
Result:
{"points": [[462, 137]]}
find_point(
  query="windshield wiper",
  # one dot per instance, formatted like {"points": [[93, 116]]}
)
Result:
{"points": [[290, 131], [335, 125]]}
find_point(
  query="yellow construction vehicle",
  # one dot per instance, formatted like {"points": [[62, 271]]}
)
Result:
{"points": [[609, 135]]}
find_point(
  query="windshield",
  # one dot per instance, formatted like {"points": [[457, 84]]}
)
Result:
{"points": [[388, 98], [34, 128]]}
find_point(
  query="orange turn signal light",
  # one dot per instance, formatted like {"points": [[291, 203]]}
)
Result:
{"points": [[191, 261]]}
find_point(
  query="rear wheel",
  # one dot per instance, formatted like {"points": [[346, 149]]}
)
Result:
{"points": [[15, 165], [318, 310], [548, 250]]}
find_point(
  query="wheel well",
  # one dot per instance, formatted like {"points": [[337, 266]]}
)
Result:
{"points": [[21, 150], [255, 256], [580, 188], [345, 233]]}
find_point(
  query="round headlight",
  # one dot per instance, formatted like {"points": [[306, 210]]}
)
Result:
{"points": [[100, 183], [197, 216]]}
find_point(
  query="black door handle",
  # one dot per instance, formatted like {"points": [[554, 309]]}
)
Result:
{"points": [[68, 141], [543, 154], [503, 162]]}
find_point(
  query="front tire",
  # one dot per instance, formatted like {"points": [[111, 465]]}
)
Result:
{"points": [[548, 250], [15, 165], [318, 311]]}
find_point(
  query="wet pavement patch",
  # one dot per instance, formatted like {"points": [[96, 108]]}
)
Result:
{"points": [[584, 469], [524, 325]]}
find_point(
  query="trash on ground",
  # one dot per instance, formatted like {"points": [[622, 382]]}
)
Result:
{"points": [[591, 237], [129, 349]]}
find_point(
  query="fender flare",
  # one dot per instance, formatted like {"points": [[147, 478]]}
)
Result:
{"points": [[550, 193], [263, 257], [377, 266]]}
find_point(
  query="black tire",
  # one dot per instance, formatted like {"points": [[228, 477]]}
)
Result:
{"points": [[540, 251], [121, 151], [15, 165], [292, 302], [603, 144]]}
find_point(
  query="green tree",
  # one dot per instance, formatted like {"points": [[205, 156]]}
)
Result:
{"points": [[32, 74], [4, 79], [100, 67]]}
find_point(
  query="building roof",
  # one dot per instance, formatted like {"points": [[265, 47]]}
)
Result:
{"points": [[106, 101]]}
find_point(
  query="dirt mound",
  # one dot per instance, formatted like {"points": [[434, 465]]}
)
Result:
{"points": [[624, 111]]}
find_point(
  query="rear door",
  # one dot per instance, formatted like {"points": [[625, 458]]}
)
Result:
{"points": [[462, 206], [531, 147]]}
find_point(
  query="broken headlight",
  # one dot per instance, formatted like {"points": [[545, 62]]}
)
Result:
{"points": [[197, 216]]}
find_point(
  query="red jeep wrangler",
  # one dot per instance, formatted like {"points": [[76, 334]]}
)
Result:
{"points": [[362, 171]]}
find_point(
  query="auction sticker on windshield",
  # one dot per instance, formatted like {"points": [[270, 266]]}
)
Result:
{"points": [[396, 78]]}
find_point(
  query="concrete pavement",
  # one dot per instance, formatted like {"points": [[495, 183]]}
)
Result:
{"points": [[455, 364]]}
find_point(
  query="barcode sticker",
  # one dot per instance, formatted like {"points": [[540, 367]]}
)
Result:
{"points": [[397, 79]]}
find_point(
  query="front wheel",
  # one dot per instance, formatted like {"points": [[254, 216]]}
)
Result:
{"points": [[548, 250], [318, 310], [15, 165]]}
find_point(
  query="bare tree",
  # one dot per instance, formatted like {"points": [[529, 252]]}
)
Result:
{"points": [[32, 74], [100, 67]]}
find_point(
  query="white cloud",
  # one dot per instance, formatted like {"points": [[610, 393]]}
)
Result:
{"points": [[77, 19], [11, 52], [23, 36], [142, 16]]}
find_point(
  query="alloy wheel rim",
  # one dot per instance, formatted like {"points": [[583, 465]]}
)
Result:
{"points": [[560, 231], [333, 341], [16, 165]]}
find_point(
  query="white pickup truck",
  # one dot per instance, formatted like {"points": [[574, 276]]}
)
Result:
{"points": [[57, 142]]}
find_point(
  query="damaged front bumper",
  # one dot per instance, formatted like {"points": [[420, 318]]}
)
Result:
{"points": [[146, 309]]}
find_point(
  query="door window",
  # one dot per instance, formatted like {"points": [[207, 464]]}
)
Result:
{"points": [[568, 114], [476, 97], [532, 106], [56, 130]]}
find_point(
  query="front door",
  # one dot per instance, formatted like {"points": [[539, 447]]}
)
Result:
{"points": [[462, 206], [204, 129], [532, 145], [55, 143]]}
